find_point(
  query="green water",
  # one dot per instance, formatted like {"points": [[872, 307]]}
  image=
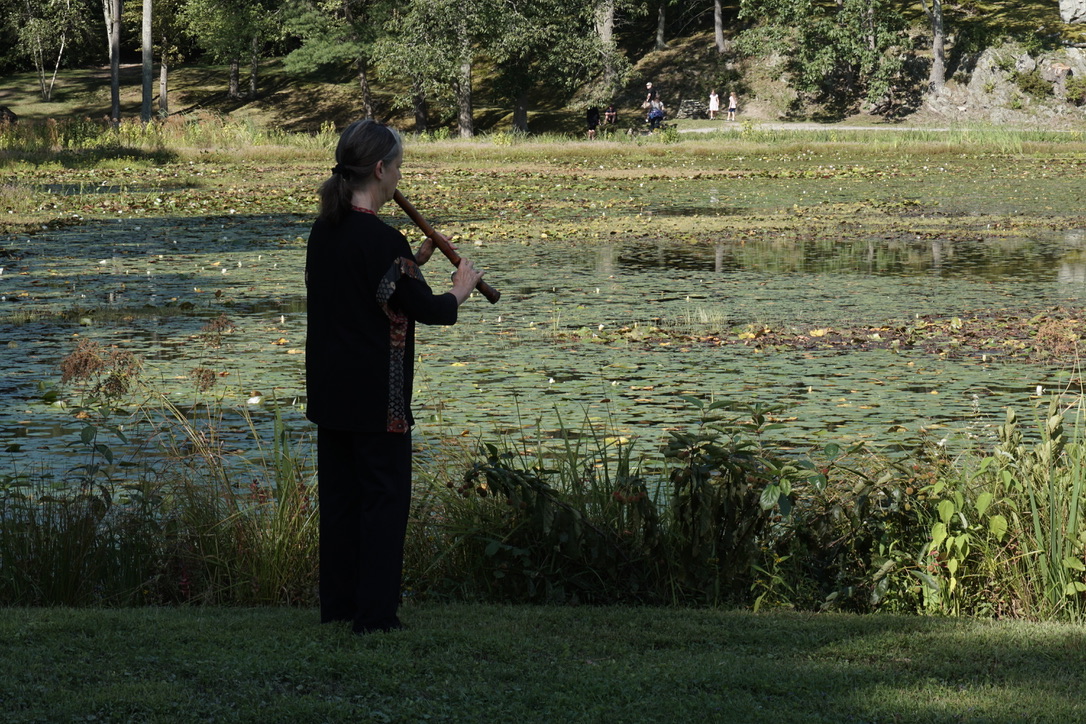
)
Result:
{"points": [[572, 336], [629, 276]]}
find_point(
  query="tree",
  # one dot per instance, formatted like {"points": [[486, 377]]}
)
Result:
{"points": [[170, 42], [613, 65], [853, 49], [335, 33], [661, 25], [145, 110], [548, 46], [43, 31], [111, 9], [230, 29], [718, 27], [937, 79], [433, 44]]}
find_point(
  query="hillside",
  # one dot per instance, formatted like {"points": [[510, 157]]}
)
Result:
{"points": [[988, 85]]}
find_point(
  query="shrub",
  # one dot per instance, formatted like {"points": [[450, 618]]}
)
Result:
{"points": [[1033, 84], [1076, 90]]}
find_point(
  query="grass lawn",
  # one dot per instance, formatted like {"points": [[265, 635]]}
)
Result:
{"points": [[476, 663]]}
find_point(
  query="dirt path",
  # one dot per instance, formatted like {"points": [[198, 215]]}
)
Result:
{"points": [[806, 126]]}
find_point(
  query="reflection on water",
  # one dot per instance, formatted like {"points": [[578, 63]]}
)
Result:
{"points": [[1058, 256]]}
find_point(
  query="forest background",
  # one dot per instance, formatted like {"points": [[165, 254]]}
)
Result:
{"points": [[487, 65]]}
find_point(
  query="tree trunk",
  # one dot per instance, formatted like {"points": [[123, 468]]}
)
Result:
{"points": [[254, 65], [605, 30], [464, 120], [937, 79], [234, 91], [148, 64], [422, 115], [520, 112], [718, 27], [661, 24], [364, 86], [163, 97], [112, 11]]}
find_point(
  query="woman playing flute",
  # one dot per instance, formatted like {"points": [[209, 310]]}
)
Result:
{"points": [[365, 294]]}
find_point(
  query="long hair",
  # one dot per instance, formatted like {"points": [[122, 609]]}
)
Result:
{"points": [[361, 146]]}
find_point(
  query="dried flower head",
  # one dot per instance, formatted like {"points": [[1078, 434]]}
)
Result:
{"points": [[85, 362], [203, 378]]}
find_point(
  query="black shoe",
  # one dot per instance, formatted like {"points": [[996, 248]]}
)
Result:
{"points": [[395, 625]]}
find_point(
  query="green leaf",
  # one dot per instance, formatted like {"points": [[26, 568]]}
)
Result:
{"points": [[1074, 564], [1074, 588], [983, 501], [998, 526], [946, 511], [770, 496], [87, 434], [938, 535], [927, 579]]}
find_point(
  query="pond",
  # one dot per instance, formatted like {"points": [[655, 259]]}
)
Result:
{"points": [[614, 330]]}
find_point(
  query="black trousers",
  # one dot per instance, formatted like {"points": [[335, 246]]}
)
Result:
{"points": [[364, 486]]}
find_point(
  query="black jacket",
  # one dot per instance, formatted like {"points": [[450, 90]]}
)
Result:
{"points": [[365, 294]]}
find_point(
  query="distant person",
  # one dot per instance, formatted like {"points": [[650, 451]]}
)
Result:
{"points": [[733, 105], [651, 94], [714, 105], [656, 114], [610, 116], [592, 120]]}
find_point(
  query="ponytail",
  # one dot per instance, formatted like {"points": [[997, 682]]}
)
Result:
{"points": [[362, 145]]}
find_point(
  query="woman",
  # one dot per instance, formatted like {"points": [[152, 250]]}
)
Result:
{"points": [[365, 293], [714, 105]]}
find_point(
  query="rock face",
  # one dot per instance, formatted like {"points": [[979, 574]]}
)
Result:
{"points": [[1073, 11], [693, 109], [987, 90]]}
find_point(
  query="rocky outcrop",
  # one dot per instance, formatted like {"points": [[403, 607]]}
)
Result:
{"points": [[1073, 11], [992, 91], [693, 109]]}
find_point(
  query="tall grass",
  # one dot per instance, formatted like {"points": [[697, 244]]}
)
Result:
{"points": [[208, 132], [200, 131], [175, 524], [726, 518]]}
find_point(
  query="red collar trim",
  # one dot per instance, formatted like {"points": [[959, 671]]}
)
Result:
{"points": [[363, 210]]}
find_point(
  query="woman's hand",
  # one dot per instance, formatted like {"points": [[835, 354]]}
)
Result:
{"points": [[425, 251], [464, 280]]}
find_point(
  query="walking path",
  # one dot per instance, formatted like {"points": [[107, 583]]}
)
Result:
{"points": [[805, 126]]}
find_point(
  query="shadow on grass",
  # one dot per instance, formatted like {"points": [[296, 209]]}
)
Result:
{"points": [[91, 158], [540, 664]]}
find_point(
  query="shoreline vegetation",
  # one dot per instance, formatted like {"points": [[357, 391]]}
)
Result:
{"points": [[705, 574]]}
